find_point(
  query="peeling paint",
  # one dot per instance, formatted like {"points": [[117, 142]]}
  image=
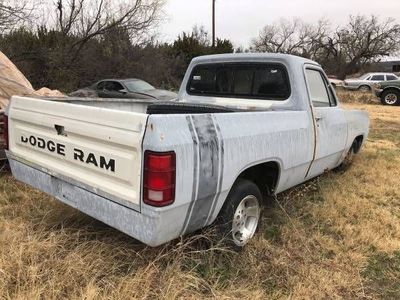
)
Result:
{"points": [[208, 164]]}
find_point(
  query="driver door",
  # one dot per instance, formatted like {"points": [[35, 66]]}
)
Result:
{"points": [[330, 124]]}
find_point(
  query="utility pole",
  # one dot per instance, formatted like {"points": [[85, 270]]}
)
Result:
{"points": [[213, 23]]}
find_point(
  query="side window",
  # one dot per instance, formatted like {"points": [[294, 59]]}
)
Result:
{"points": [[391, 77], [378, 78], [113, 86], [318, 88], [332, 96], [118, 87], [101, 85]]}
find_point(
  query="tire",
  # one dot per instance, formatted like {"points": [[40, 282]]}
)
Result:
{"points": [[240, 215], [390, 97], [364, 88], [348, 160]]}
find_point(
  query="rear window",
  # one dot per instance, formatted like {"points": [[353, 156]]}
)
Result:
{"points": [[256, 81]]}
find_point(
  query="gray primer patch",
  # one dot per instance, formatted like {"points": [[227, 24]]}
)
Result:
{"points": [[195, 167], [221, 172], [208, 164]]}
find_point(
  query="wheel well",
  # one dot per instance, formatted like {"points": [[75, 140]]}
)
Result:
{"points": [[357, 143], [391, 89], [364, 85], [265, 176]]}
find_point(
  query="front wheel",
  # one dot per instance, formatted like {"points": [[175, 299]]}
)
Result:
{"points": [[390, 97], [240, 214]]}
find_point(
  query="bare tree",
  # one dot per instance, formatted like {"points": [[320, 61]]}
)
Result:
{"points": [[88, 19], [13, 13], [200, 34], [291, 37], [342, 51], [361, 41]]}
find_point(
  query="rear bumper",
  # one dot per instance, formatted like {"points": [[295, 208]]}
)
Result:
{"points": [[150, 226]]}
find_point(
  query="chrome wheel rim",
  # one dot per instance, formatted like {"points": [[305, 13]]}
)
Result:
{"points": [[391, 98], [245, 220]]}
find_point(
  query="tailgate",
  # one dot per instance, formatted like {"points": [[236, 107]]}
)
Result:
{"points": [[100, 148]]}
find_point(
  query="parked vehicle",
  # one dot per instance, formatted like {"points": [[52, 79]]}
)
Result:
{"points": [[245, 127], [365, 83], [124, 88], [388, 92], [335, 82]]}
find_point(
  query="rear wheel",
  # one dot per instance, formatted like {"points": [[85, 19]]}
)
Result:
{"points": [[364, 88], [390, 97], [240, 214]]}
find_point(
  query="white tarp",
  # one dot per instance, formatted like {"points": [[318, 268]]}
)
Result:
{"points": [[13, 82]]}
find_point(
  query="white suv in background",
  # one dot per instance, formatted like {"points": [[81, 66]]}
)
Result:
{"points": [[365, 82]]}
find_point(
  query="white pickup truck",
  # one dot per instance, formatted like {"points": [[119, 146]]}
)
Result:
{"points": [[245, 127]]}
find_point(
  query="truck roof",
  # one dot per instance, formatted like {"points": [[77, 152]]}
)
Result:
{"points": [[232, 57]]}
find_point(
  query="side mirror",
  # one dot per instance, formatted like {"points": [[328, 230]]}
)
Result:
{"points": [[123, 91]]}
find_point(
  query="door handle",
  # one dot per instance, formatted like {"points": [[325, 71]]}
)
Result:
{"points": [[318, 119]]}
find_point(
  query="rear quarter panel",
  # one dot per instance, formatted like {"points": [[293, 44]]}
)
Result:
{"points": [[358, 125], [213, 149]]}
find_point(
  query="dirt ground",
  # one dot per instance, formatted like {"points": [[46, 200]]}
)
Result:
{"points": [[337, 236]]}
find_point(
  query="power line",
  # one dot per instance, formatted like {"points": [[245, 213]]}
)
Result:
{"points": [[213, 23]]}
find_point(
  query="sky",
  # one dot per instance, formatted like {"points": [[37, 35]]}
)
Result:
{"points": [[241, 20]]}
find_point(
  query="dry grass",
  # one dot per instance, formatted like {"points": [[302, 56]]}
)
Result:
{"points": [[335, 237], [356, 97]]}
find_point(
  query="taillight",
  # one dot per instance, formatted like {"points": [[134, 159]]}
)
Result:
{"points": [[159, 178], [5, 131]]}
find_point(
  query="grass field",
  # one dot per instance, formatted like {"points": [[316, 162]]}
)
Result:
{"points": [[337, 236]]}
